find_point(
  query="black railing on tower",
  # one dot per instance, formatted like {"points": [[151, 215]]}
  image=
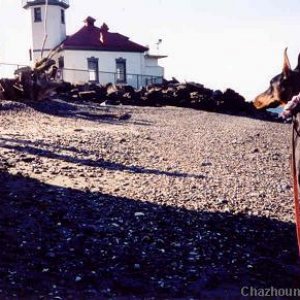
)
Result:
{"points": [[27, 3]]}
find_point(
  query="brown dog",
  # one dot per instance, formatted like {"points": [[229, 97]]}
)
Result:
{"points": [[282, 87]]}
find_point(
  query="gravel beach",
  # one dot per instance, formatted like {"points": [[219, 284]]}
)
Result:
{"points": [[132, 202]]}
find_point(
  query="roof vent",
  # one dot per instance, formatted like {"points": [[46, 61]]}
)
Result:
{"points": [[104, 27], [103, 30]]}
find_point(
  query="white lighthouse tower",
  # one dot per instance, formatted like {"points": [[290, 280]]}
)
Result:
{"points": [[48, 24]]}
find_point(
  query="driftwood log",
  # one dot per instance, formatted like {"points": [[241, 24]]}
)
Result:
{"points": [[34, 83]]}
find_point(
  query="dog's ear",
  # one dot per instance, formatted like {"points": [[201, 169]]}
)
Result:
{"points": [[298, 65], [286, 64]]}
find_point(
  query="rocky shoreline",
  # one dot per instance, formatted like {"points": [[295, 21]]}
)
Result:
{"points": [[109, 202]]}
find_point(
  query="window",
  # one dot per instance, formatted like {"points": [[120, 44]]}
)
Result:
{"points": [[121, 70], [93, 69], [61, 62], [62, 15], [30, 54], [37, 14]]}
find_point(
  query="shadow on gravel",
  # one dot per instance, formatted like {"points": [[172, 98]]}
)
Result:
{"points": [[85, 110], [38, 143], [28, 147], [59, 242]]}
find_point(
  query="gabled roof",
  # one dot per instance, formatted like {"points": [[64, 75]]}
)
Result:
{"points": [[90, 37]]}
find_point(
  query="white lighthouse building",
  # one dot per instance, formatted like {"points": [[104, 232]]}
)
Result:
{"points": [[48, 23], [92, 54]]}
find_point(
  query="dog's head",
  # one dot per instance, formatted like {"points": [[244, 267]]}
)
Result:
{"points": [[282, 87]]}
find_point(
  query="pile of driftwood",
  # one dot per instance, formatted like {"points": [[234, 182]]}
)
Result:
{"points": [[39, 82], [173, 93]]}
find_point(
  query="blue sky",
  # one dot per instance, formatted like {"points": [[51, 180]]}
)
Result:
{"points": [[220, 43]]}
